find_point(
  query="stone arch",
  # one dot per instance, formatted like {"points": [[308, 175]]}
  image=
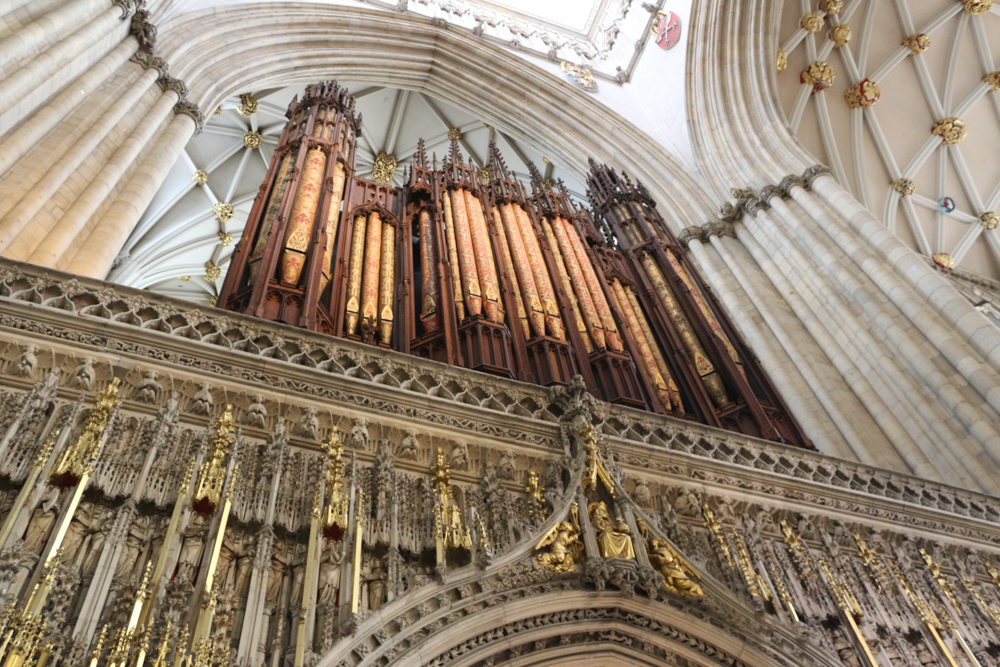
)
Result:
{"points": [[569, 622], [313, 41]]}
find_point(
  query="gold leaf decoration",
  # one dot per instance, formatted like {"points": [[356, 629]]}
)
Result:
{"points": [[224, 212], [951, 130], [862, 95], [819, 75], [248, 105], [384, 168]]}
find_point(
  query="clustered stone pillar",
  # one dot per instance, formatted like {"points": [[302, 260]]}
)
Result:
{"points": [[86, 139]]}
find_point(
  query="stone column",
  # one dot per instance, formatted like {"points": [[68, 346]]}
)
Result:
{"points": [[64, 234], [42, 33], [96, 254], [22, 91], [17, 236], [14, 146]]}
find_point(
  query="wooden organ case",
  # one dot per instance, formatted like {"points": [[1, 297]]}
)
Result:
{"points": [[462, 265]]}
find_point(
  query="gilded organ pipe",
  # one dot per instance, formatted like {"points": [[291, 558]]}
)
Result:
{"points": [[456, 276], [703, 307], [557, 255], [578, 283], [370, 275], [271, 212], [645, 353], [704, 368], [484, 258], [522, 267], [354, 277], [594, 285], [332, 222], [387, 281], [303, 216], [543, 281], [430, 306], [508, 263], [661, 362], [466, 255]]}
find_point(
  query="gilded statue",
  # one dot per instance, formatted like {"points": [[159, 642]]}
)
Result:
{"points": [[678, 577], [564, 548], [613, 538]]}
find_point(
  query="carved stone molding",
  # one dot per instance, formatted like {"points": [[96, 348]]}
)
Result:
{"points": [[705, 232]]}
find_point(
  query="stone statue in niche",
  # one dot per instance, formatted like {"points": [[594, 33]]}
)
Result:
{"points": [[329, 571], [201, 403], [613, 538], [130, 563], [375, 579], [408, 446], [191, 548], [280, 561], [80, 528], [42, 520], [256, 414], [148, 389]]}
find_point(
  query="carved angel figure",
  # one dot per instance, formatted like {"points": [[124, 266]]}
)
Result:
{"points": [[358, 438], [256, 414], [309, 426], [458, 457], [408, 446], [613, 539], [642, 495], [84, 376], [148, 388], [27, 362], [564, 546], [677, 576], [201, 403]]}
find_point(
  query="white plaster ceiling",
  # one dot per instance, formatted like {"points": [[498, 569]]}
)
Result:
{"points": [[180, 232], [870, 148]]}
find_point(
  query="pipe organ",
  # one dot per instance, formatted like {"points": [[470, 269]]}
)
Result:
{"points": [[464, 265]]}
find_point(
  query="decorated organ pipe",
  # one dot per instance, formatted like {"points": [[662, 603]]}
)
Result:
{"points": [[463, 265]]}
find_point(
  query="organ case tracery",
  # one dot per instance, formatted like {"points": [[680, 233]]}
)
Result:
{"points": [[464, 265]]}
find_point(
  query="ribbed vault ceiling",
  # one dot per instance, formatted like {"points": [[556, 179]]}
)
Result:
{"points": [[181, 237], [872, 147]]}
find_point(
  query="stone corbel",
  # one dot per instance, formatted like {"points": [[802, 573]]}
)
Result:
{"points": [[143, 31], [128, 7]]}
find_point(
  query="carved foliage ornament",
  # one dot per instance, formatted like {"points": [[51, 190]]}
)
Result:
{"points": [[862, 95], [252, 139], [819, 75], [989, 220], [224, 212], [812, 22], [951, 130], [782, 61], [904, 186], [212, 272], [200, 177], [977, 7], [226, 239], [917, 43], [831, 7], [993, 78], [840, 35]]}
